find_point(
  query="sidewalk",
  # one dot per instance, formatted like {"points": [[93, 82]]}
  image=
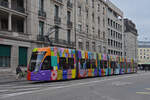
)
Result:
{"points": [[9, 78]]}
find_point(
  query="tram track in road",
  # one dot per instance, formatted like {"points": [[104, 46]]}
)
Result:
{"points": [[9, 90], [59, 83]]}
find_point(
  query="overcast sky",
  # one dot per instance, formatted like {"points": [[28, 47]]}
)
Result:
{"points": [[139, 12]]}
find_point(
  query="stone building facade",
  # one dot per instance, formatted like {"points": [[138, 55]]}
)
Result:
{"points": [[91, 25], [144, 53], [115, 30], [24, 24], [130, 40], [15, 44], [79, 24]]}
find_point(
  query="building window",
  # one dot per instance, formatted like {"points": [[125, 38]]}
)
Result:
{"points": [[80, 27], [68, 35], [100, 48], [111, 22], [98, 7], [108, 21], [111, 42], [68, 16], [87, 46], [104, 35], [87, 28], [5, 54], [103, 11], [104, 48], [23, 52], [41, 5], [114, 24], [86, 1], [92, 3], [41, 28], [111, 51], [93, 30], [114, 43], [99, 34], [108, 31], [116, 34], [108, 51], [56, 33], [103, 22], [93, 17], [93, 46], [108, 41], [87, 13], [121, 36], [80, 45], [98, 20], [79, 10], [56, 13], [111, 33], [121, 45]]}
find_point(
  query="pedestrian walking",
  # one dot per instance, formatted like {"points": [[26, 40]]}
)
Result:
{"points": [[19, 73]]}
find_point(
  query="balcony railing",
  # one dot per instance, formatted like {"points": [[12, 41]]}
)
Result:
{"points": [[69, 24], [57, 20], [69, 4], [4, 4], [42, 13], [40, 37], [19, 9]]}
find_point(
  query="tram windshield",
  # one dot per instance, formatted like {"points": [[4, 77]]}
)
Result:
{"points": [[36, 60]]}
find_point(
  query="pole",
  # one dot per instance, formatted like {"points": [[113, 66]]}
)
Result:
{"points": [[75, 23]]}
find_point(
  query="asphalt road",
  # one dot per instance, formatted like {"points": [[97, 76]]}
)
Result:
{"points": [[123, 87]]}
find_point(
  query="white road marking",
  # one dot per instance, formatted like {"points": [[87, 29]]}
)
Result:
{"points": [[72, 85], [144, 93], [4, 90], [25, 89], [147, 88], [119, 83]]}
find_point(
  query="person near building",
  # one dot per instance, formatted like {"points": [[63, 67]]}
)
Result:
{"points": [[19, 73]]}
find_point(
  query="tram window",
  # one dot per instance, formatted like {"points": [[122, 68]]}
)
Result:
{"points": [[111, 64], [47, 64], [88, 64], [124, 64], [71, 63], [82, 62], [63, 63], [98, 64], [121, 65], [115, 65], [93, 64], [128, 65], [105, 64], [101, 64]]}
